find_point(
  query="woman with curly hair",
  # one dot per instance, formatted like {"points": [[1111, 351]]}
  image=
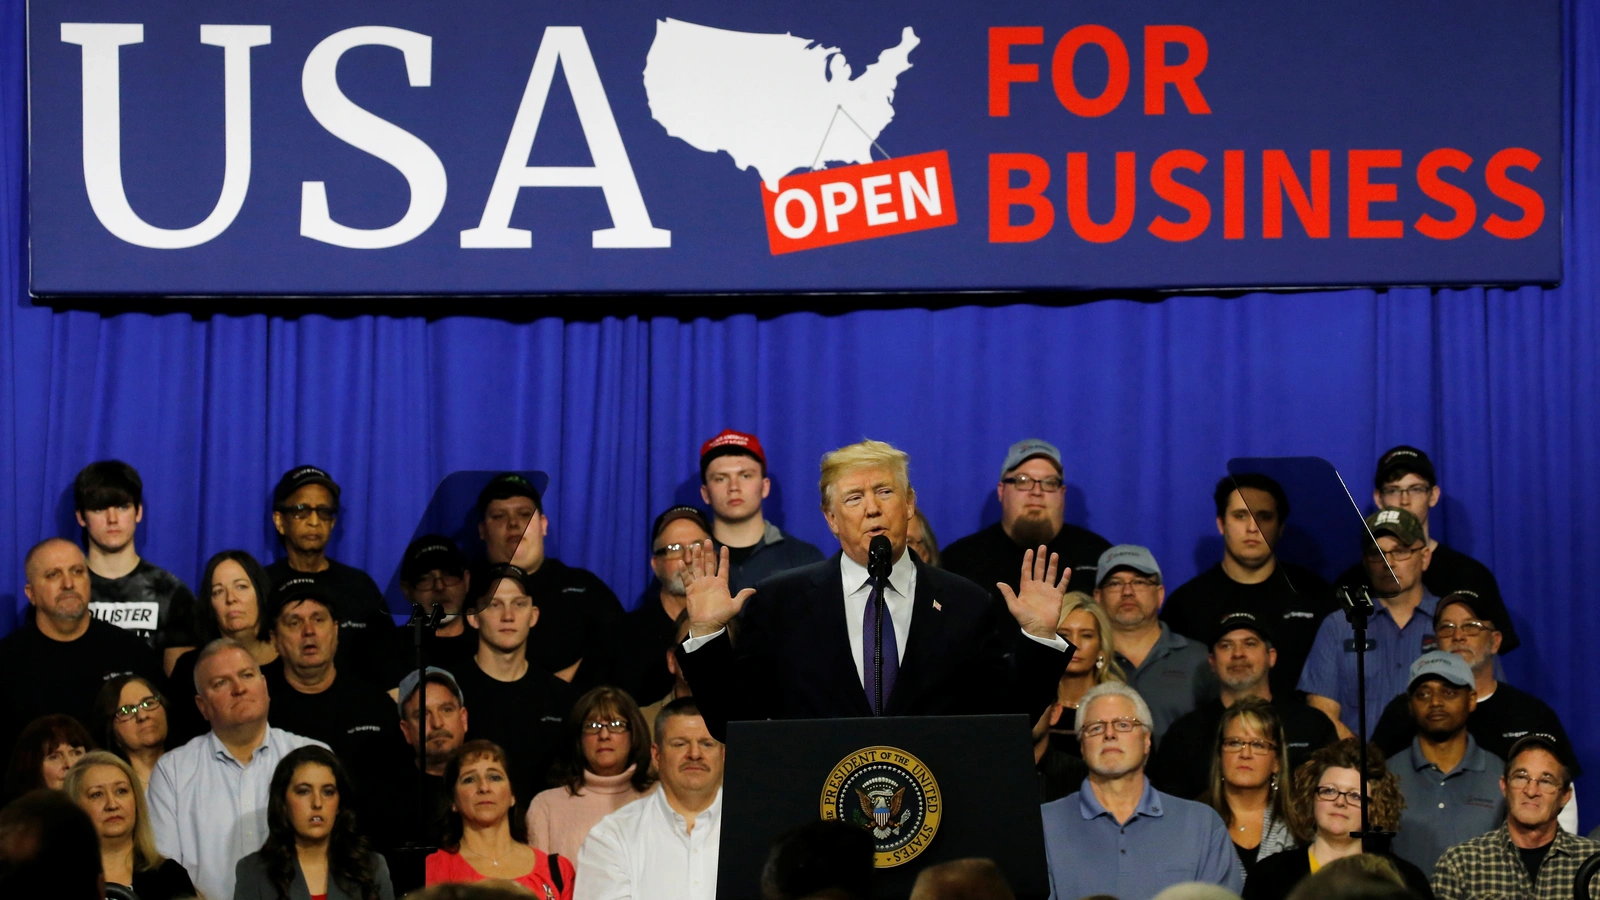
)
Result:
{"points": [[106, 787], [1324, 808], [605, 767], [482, 839], [313, 848], [1249, 781]]}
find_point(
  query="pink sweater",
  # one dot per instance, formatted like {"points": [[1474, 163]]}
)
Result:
{"points": [[558, 821]]}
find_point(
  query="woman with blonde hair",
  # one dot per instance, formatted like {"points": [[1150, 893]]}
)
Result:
{"points": [[1085, 625], [1250, 780], [105, 786]]}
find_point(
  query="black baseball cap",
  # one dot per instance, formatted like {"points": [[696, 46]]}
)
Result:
{"points": [[429, 552], [1237, 619], [294, 590], [514, 484], [1401, 461], [300, 476], [492, 578], [674, 514]]}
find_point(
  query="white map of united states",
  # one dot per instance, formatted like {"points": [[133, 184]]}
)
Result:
{"points": [[768, 99]]}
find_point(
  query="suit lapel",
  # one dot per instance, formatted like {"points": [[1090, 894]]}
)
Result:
{"points": [[835, 637], [921, 644]]}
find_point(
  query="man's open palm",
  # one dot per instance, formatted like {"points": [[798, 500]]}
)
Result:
{"points": [[710, 604], [1036, 605]]}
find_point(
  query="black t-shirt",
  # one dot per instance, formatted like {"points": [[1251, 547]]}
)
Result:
{"points": [[738, 556], [1533, 859], [149, 602], [1450, 571], [1508, 714], [641, 648], [989, 557], [355, 718], [40, 676], [444, 652], [168, 881], [1293, 602], [1182, 763], [364, 620], [523, 716], [578, 616]]}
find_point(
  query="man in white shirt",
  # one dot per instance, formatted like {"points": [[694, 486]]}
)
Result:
{"points": [[663, 846], [208, 798]]}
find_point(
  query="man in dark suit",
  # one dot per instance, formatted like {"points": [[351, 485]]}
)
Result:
{"points": [[806, 647]]}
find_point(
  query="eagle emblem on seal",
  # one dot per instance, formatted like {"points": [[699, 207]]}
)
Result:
{"points": [[882, 805]]}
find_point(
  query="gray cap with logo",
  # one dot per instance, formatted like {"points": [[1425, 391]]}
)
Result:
{"points": [[1444, 666], [1022, 451], [1126, 556]]}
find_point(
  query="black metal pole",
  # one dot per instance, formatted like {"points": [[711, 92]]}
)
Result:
{"points": [[419, 624], [1359, 622]]}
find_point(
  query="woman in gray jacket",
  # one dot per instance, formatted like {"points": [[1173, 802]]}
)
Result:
{"points": [[313, 849]]}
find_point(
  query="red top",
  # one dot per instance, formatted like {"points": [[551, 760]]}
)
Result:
{"points": [[319, 897], [444, 867]]}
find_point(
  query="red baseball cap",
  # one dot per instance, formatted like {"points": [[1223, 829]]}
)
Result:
{"points": [[736, 440]]}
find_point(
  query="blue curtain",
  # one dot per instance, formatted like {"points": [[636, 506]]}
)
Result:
{"points": [[1147, 399]]}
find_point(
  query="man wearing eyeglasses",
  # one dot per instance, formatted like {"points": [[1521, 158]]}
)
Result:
{"points": [[1118, 835], [434, 570], [1530, 855], [1451, 784], [1398, 631], [646, 634], [305, 507], [1033, 503], [1405, 479], [1167, 669], [734, 482]]}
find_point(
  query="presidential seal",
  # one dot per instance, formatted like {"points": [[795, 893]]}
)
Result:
{"points": [[889, 794]]}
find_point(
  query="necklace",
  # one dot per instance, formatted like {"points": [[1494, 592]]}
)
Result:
{"points": [[493, 860]]}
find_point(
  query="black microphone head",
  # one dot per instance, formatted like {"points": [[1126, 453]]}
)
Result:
{"points": [[879, 554]]}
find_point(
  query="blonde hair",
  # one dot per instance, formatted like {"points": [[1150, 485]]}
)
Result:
{"points": [[865, 455], [1076, 600], [145, 854]]}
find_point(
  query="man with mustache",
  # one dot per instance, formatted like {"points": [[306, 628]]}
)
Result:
{"points": [[646, 633], [59, 656], [433, 719], [1451, 785], [1118, 835], [433, 571], [1242, 656], [664, 846]]}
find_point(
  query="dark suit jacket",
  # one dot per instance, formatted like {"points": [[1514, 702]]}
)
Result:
{"points": [[251, 882], [793, 657]]}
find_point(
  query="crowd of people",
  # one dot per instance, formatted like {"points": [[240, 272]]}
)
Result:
{"points": [[271, 736]]}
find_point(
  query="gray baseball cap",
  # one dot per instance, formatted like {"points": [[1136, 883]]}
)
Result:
{"points": [[1022, 451], [1442, 665], [1126, 556], [408, 686]]}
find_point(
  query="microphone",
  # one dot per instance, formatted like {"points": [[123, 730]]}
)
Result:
{"points": [[878, 554], [436, 616]]}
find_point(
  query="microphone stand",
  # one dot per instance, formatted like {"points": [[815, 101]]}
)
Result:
{"points": [[1358, 606], [422, 623]]}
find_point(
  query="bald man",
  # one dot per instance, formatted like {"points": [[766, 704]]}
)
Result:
{"points": [[56, 660]]}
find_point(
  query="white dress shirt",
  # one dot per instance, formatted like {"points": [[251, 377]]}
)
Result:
{"points": [[208, 811], [644, 851]]}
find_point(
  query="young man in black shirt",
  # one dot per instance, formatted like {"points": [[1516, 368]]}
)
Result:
{"points": [[733, 482], [125, 590], [305, 507], [57, 659], [1405, 479], [434, 571], [518, 704], [1033, 503], [578, 614], [646, 634], [1252, 511]]}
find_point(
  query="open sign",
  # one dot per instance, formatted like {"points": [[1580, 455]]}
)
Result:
{"points": [[855, 203]]}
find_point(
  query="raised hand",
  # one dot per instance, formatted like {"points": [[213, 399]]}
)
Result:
{"points": [[710, 603], [1037, 604]]}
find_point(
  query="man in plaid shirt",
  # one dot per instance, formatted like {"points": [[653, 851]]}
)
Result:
{"points": [[1529, 856]]}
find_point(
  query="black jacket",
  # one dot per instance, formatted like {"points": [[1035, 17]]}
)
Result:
{"points": [[793, 659], [1277, 875]]}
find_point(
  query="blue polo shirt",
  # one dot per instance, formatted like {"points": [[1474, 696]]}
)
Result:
{"points": [[1165, 842], [1444, 809], [1331, 668]]}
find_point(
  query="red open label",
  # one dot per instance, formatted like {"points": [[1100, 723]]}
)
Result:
{"points": [[854, 203]]}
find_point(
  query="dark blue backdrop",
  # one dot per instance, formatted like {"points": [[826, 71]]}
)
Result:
{"points": [[1148, 401]]}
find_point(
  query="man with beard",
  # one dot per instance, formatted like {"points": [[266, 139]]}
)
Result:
{"points": [[437, 725], [1242, 657], [1166, 668], [733, 481], [57, 659], [1033, 504], [1451, 785], [1118, 835], [645, 637], [1530, 855]]}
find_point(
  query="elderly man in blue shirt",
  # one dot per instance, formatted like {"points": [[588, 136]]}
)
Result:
{"points": [[1118, 835]]}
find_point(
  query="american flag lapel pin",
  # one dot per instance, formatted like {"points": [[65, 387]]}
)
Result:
{"points": [[936, 606]]}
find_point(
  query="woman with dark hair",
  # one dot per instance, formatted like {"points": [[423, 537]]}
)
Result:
{"points": [[131, 721], [107, 788], [606, 766], [1324, 808], [231, 594], [313, 848], [1247, 762], [45, 750], [482, 839]]}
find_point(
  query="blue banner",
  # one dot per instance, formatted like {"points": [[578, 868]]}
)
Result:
{"points": [[501, 147]]}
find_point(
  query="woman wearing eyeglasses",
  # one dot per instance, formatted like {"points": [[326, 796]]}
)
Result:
{"points": [[1324, 808], [1249, 777], [131, 721], [605, 767]]}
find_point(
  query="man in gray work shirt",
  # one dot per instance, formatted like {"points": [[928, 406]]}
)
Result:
{"points": [[1167, 669]]}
